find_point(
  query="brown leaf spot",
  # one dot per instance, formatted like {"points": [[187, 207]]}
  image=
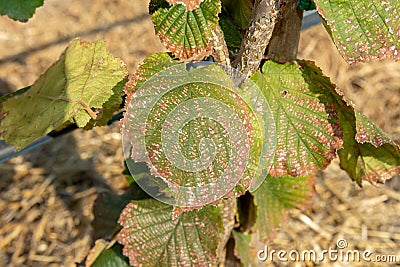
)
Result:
{"points": [[189, 4], [196, 53], [379, 176]]}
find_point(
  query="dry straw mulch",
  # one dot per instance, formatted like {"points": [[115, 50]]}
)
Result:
{"points": [[46, 196]]}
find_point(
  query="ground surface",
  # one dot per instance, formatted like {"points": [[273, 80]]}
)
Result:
{"points": [[46, 196]]}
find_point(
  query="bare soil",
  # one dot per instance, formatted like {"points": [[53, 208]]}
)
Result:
{"points": [[46, 196]]}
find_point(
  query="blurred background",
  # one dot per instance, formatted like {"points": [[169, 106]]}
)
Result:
{"points": [[47, 195]]}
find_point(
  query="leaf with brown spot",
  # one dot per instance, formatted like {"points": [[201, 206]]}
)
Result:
{"points": [[189, 4], [304, 131], [149, 67], [187, 33], [151, 237], [363, 30], [367, 131]]}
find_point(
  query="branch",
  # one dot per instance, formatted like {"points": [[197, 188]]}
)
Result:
{"points": [[266, 14]]}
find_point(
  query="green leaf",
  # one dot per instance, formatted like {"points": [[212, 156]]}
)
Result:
{"points": [[71, 90], [108, 207], [21, 10], [367, 153], [275, 197], [305, 135], [363, 30], [112, 257], [187, 33], [152, 237]]}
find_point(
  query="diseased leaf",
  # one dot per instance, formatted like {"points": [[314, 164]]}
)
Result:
{"points": [[71, 90], [305, 135], [151, 237], [363, 30], [172, 114], [189, 4], [372, 156], [367, 152], [21, 10], [187, 33], [112, 257], [275, 197], [368, 131]]}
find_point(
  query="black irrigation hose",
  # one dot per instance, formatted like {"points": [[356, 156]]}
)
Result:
{"points": [[7, 152]]}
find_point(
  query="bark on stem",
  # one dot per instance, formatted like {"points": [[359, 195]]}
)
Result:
{"points": [[284, 42]]}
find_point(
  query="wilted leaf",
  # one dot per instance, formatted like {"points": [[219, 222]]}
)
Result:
{"points": [[82, 80], [275, 197], [363, 30], [372, 156], [187, 33], [305, 136], [151, 237], [367, 152], [21, 10]]}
